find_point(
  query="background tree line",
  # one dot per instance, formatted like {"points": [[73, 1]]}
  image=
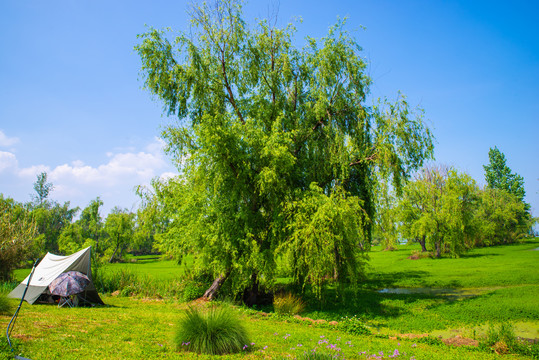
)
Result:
{"points": [[29, 230]]}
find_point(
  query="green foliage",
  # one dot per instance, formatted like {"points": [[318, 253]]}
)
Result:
{"points": [[17, 234], [502, 340], [216, 331], [502, 218], [353, 325], [325, 238], [151, 220], [261, 123], [42, 188], [119, 229], [193, 290], [288, 304], [499, 176], [504, 332], [437, 208]]}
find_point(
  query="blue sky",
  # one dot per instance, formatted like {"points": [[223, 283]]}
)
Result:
{"points": [[72, 102]]}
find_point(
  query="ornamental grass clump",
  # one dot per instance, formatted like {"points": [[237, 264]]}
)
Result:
{"points": [[288, 304], [215, 331]]}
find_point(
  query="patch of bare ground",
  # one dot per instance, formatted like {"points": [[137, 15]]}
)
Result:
{"points": [[460, 341]]}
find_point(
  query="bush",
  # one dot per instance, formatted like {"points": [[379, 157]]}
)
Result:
{"points": [[193, 290], [288, 304], [353, 325], [502, 340], [216, 331]]}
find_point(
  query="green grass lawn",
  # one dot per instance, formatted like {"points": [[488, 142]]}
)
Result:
{"points": [[484, 267], [130, 328], [492, 285]]}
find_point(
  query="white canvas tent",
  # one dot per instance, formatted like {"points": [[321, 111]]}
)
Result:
{"points": [[49, 268]]}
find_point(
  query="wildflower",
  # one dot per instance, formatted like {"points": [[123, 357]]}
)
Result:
{"points": [[245, 347], [414, 345]]}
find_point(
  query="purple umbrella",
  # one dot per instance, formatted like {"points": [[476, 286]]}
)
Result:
{"points": [[69, 283]]}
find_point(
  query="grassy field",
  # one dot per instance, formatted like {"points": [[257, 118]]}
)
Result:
{"points": [[140, 329], [486, 287]]}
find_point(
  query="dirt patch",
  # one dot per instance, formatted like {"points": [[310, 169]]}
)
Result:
{"points": [[412, 336], [460, 341], [22, 337]]}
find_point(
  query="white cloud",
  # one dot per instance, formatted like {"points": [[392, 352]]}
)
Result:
{"points": [[78, 182], [7, 161], [7, 141]]}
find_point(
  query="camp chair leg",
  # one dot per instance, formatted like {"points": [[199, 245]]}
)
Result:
{"points": [[65, 301]]}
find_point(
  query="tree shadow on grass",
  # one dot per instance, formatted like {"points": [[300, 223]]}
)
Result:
{"points": [[364, 303], [387, 280], [473, 256]]}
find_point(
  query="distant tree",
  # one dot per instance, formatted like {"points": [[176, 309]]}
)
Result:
{"points": [[51, 218], [386, 218], [42, 188], [150, 221], [437, 209], [499, 176], [71, 239], [91, 224], [17, 232], [501, 218], [119, 228], [262, 124]]}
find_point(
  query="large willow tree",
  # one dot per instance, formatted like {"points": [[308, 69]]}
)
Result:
{"points": [[277, 149]]}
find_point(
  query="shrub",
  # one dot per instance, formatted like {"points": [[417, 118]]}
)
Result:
{"points": [[353, 325], [288, 304], [216, 331], [193, 290], [502, 340]]}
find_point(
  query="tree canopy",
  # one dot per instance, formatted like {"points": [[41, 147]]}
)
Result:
{"points": [[263, 125], [499, 176]]}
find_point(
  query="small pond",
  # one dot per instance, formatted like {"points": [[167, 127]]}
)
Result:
{"points": [[456, 293]]}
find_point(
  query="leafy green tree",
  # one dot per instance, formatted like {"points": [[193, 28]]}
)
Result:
{"points": [[119, 228], [150, 221], [51, 218], [71, 239], [91, 224], [42, 188], [17, 233], [437, 210], [261, 123], [499, 176], [386, 231], [501, 218]]}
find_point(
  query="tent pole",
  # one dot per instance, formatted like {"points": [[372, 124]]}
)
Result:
{"points": [[11, 324]]}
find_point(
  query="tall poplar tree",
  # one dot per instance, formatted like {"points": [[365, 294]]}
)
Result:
{"points": [[268, 136]]}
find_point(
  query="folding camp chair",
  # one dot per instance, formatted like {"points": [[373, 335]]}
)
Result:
{"points": [[65, 300]]}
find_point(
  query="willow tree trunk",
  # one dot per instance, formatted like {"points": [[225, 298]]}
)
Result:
{"points": [[215, 286], [422, 241]]}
